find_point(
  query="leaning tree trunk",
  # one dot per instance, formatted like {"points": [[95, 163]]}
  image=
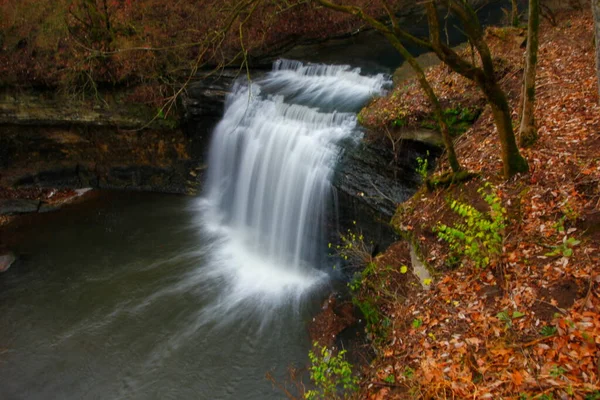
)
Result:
{"points": [[433, 99], [596, 12], [484, 77], [513, 162], [527, 129], [392, 37]]}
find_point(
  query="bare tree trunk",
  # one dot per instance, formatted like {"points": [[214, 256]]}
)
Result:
{"points": [[485, 78], [512, 161], [527, 130], [435, 103], [596, 12]]}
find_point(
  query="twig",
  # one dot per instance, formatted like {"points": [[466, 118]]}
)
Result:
{"points": [[533, 342], [588, 294], [562, 311], [376, 383]]}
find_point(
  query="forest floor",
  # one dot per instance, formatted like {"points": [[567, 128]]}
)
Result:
{"points": [[527, 325]]}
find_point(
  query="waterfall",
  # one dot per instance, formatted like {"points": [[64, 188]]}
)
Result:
{"points": [[270, 166]]}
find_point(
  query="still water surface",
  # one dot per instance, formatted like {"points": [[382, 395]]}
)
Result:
{"points": [[110, 300]]}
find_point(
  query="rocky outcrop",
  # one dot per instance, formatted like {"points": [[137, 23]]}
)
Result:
{"points": [[370, 182], [203, 104], [50, 108], [371, 174], [50, 140], [98, 157]]}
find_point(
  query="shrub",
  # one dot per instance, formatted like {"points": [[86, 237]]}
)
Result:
{"points": [[353, 248], [423, 166], [479, 236], [331, 374]]}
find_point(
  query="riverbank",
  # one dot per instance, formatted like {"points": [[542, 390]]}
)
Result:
{"points": [[526, 326], [23, 201]]}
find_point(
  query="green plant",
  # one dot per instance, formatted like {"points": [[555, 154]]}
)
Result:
{"points": [[360, 118], [479, 236], [593, 396], [507, 318], [331, 374], [557, 371], [560, 225], [359, 278], [370, 313], [417, 323], [458, 119], [565, 249], [399, 122], [423, 166], [569, 211], [408, 372], [548, 331]]}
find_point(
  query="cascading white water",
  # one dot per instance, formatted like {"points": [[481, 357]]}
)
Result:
{"points": [[270, 165]]}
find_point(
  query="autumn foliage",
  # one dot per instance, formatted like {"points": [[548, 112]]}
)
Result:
{"points": [[528, 325], [74, 43]]}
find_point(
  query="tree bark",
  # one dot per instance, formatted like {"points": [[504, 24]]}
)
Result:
{"points": [[433, 99], [596, 12], [527, 130], [512, 161], [485, 78]]}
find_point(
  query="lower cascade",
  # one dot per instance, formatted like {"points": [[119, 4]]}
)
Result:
{"points": [[270, 167]]}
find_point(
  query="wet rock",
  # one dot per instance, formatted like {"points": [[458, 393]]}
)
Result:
{"points": [[55, 177], [333, 319], [18, 206], [206, 97], [6, 260], [373, 175]]}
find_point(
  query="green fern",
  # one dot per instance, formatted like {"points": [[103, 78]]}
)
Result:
{"points": [[478, 236]]}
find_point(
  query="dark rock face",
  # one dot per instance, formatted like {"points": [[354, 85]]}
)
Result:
{"points": [[371, 181], [116, 152], [98, 157], [203, 105], [371, 173], [48, 140]]}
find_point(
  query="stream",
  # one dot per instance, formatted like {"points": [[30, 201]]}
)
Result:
{"points": [[109, 301]]}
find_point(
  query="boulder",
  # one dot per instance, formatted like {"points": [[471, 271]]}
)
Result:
{"points": [[6, 260]]}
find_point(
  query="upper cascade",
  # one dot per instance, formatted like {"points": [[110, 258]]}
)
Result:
{"points": [[329, 87], [270, 167]]}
